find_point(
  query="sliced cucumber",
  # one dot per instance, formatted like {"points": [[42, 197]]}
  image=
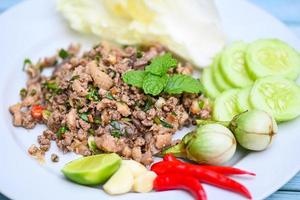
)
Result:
{"points": [[217, 75], [225, 105], [243, 102], [277, 96], [208, 84], [267, 57], [233, 67]]}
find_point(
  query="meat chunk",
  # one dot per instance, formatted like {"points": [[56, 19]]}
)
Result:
{"points": [[108, 143], [101, 79], [123, 109], [79, 88], [163, 140], [71, 119], [15, 110]]}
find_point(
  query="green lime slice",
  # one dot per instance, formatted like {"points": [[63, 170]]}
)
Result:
{"points": [[92, 170]]}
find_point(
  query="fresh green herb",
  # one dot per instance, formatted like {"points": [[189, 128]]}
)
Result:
{"points": [[26, 62], [46, 114], [165, 124], [91, 131], [109, 96], [84, 116], [52, 86], [139, 54], [201, 104], [161, 64], [125, 119], [179, 83], [33, 92], [149, 103], [63, 54], [61, 131], [98, 57], [153, 84], [134, 78], [97, 120], [156, 120], [93, 94], [174, 113], [23, 93], [116, 133], [75, 77], [115, 124]]}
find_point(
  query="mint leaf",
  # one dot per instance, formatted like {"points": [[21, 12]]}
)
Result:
{"points": [[134, 78], [154, 84], [161, 64], [179, 83]]}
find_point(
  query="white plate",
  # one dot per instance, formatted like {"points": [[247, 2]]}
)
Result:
{"points": [[34, 29]]}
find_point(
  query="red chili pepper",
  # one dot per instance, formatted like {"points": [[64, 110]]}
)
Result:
{"points": [[179, 181], [220, 169], [227, 170], [37, 112], [202, 174]]}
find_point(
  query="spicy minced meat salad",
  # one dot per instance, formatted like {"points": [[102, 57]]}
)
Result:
{"points": [[88, 108]]}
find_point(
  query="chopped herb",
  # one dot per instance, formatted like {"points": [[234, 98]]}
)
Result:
{"points": [[46, 114], [98, 57], [115, 124], [126, 119], [165, 124], [149, 103], [93, 94], [61, 131], [63, 54], [97, 120], [116, 133], [23, 93], [84, 117], [91, 131], [109, 96], [174, 113], [201, 104], [52, 86], [33, 92], [26, 62], [75, 77], [139, 54]]}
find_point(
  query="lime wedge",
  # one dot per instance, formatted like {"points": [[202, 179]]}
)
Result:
{"points": [[92, 170]]}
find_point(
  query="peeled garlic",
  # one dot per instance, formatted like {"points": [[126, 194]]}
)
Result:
{"points": [[144, 182]]}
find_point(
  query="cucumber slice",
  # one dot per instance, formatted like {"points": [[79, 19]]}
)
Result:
{"points": [[243, 102], [208, 84], [233, 67], [277, 96], [225, 105], [217, 75], [267, 57]]}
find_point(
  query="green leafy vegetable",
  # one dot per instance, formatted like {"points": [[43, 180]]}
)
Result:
{"points": [[134, 78], [52, 86], [153, 84], [91, 131], [161, 64], [63, 54], [33, 92], [149, 103], [75, 77], [26, 62], [179, 83], [97, 120], [115, 124]]}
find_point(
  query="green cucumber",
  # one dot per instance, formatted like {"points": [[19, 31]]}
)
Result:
{"points": [[225, 106], [208, 84], [233, 66], [217, 75], [266, 57], [243, 103], [277, 96]]}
